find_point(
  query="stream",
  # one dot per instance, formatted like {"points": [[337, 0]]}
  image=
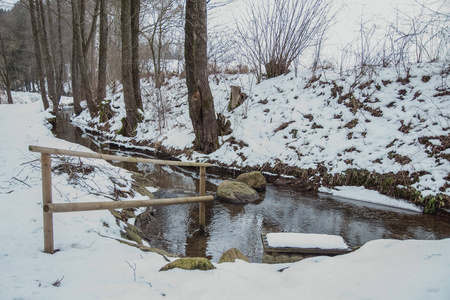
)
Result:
{"points": [[281, 209]]}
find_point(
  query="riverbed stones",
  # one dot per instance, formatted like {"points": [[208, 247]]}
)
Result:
{"points": [[236, 192], [254, 179], [231, 255], [190, 263]]}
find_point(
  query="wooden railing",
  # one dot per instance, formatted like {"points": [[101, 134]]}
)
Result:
{"points": [[49, 208]]}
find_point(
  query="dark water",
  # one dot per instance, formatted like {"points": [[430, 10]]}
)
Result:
{"points": [[280, 209]]}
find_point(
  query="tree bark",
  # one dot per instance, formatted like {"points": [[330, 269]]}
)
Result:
{"points": [[75, 76], [60, 70], [5, 71], [5, 74], [102, 53], [50, 70], [135, 10], [37, 53], [132, 116], [85, 82], [201, 102]]}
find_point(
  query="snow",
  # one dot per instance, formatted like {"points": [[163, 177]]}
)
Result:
{"points": [[319, 132], [91, 266], [361, 194], [305, 240]]}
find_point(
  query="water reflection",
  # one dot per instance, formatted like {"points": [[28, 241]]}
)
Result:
{"points": [[282, 209], [231, 225]]}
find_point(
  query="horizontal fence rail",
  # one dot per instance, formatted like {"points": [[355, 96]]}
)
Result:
{"points": [[49, 208], [109, 157], [73, 207]]}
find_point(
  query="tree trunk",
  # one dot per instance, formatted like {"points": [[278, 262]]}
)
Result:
{"points": [[201, 102], [135, 10], [102, 53], [7, 82], [5, 71], [47, 56], [53, 47], [60, 70], [76, 87], [132, 116], [37, 53], [193, 99], [85, 83]]}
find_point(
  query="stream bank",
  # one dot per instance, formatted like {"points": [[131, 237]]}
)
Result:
{"points": [[396, 185], [282, 208]]}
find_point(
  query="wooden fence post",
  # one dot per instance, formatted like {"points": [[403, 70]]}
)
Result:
{"points": [[201, 205], [49, 208], [47, 198]]}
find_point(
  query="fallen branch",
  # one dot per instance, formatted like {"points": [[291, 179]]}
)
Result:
{"points": [[22, 181]]}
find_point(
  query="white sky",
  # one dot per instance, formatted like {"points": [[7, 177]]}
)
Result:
{"points": [[7, 4]]}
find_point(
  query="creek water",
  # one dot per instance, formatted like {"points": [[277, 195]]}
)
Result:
{"points": [[280, 209]]}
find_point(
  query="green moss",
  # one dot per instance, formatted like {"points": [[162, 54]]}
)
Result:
{"points": [[121, 131], [132, 233], [128, 213], [190, 263], [116, 214], [105, 112]]}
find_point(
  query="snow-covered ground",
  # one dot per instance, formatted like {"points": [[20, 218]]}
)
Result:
{"points": [[90, 265]]}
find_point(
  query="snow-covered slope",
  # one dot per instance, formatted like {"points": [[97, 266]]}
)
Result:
{"points": [[375, 122]]}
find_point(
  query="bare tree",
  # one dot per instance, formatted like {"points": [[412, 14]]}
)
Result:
{"points": [[134, 14], [49, 63], [5, 70], [102, 52], [201, 102], [162, 19], [162, 25], [37, 52], [81, 45], [131, 106], [273, 34]]}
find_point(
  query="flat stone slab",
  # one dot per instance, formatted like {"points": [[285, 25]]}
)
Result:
{"points": [[304, 243]]}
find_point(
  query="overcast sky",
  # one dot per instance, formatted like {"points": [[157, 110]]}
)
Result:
{"points": [[346, 29], [7, 4]]}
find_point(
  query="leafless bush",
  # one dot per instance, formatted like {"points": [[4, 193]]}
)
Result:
{"points": [[421, 36], [274, 34]]}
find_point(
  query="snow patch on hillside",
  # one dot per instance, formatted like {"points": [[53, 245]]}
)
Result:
{"points": [[373, 122]]}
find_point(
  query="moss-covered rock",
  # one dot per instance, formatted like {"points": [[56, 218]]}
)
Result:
{"points": [[139, 184], [132, 233], [190, 263], [254, 179], [231, 255], [236, 192]]}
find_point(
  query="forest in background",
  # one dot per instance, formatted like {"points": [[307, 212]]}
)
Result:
{"points": [[141, 51], [78, 47]]}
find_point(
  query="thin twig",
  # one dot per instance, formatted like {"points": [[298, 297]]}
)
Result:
{"points": [[29, 162], [133, 268], [22, 181]]}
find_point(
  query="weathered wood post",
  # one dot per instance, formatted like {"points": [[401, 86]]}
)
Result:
{"points": [[202, 191], [46, 165]]}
